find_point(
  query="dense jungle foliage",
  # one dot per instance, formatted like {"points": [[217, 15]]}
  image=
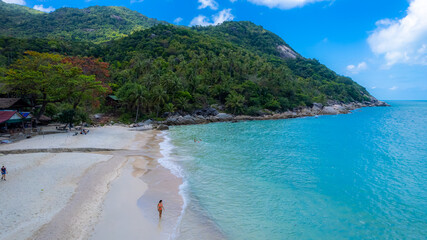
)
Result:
{"points": [[234, 66], [95, 24]]}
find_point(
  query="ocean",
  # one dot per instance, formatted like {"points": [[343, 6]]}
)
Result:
{"points": [[356, 176]]}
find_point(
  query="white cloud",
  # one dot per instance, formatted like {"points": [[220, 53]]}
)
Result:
{"points": [[220, 17], [224, 15], [233, 1], [403, 40], [385, 22], [393, 88], [208, 3], [178, 20], [200, 21], [133, 1], [356, 69], [43, 9], [283, 4], [20, 2]]}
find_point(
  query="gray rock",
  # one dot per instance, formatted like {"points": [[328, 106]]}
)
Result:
{"points": [[188, 119], [329, 110], [306, 112], [149, 121], [162, 127], [224, 116], [181, 120], [286, 52], [98, 116], [317, 108], [206, 112], [145, 123], [340, 108], [143, 128], [317, 105]]}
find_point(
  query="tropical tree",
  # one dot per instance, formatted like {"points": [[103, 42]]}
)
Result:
{"points": [[41, 76], [235, 102], [159, 98], [135, 96], [47, 78]]}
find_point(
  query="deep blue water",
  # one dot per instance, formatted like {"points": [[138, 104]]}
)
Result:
{"points": [[356, 176]]}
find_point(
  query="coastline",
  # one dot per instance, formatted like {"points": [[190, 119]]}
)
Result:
{"points": [[107, 164], [75, 194], [211, 115]]}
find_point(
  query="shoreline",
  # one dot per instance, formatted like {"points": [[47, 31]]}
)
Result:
{"points": [[87, 194], [211, 115]]}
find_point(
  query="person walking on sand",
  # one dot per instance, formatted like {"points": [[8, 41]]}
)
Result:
{"points": [[3, 173], [160, 208]]}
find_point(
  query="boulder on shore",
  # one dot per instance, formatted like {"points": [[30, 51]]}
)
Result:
{"points": [[329, 110], [223, 116], [162, 127], [206, 112]]}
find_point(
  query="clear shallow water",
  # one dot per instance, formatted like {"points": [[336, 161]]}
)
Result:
{"points": [[355, 176]]}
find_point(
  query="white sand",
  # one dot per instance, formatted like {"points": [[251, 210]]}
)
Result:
{"points": [[118, 220], [102, 137], [38, 186], [78, 195]]}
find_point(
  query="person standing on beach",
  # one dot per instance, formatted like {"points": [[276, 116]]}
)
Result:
{"points": [[3, 173], [160, 208]]}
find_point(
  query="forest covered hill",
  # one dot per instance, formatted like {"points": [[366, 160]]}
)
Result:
{"points": [[95, 24], [237, 66]]}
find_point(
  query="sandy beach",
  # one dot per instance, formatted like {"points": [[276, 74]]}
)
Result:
{"points": [[69, 190]]}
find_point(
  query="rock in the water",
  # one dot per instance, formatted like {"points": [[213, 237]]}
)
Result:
{"points": [[162, 127]]}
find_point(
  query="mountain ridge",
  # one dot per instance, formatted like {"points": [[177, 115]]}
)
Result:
{"points": [[239, 67], [96, 23]]}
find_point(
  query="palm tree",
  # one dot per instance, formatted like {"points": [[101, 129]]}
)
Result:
{"points": [[138, 97], [235, 102], [159, 98], [134, 95]]}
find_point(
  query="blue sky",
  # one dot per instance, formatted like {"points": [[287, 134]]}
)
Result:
{"points": [[381, 44]]}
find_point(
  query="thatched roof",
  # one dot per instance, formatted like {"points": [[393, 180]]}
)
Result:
{"points": [[12, 103]]}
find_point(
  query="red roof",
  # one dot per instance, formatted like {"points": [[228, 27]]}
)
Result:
{"points": [[6, 115]]}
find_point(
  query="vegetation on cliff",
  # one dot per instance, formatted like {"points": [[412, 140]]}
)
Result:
{"points": [[237, 66]]}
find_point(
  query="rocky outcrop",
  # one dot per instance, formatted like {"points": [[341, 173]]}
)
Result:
{"points": [[206, 112], [285, 52], [209, 115], [224, 117]]}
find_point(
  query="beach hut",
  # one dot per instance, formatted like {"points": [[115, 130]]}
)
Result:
{"points": [[44, 120], [10, 118], [28, 119], [13, 104]]}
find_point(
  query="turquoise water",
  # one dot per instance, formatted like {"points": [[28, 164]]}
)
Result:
{"points": [[356, 176]]}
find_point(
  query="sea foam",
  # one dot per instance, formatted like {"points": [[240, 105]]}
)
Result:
{"points": [[169, 162]]}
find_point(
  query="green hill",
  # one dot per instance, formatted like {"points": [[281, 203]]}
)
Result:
{"points": [[96, 24], [237, 66], [213, 70], [252, 37]]}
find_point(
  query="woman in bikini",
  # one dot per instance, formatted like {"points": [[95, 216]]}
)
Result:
{"points": [[160, 208]]}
